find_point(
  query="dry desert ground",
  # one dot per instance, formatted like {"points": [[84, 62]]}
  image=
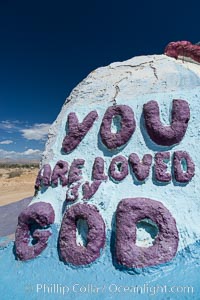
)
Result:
{"points": [[16, 182]]}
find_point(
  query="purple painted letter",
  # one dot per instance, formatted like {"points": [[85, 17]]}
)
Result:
{"points": [[127, 124], [44, 177], [97, 175], [77, 131], [179, 173], [40, 214], [72, 253], [59, 171], [118, 168], [129, 212], [140, 169], [75, 175], [161, 173], [167, 135]]}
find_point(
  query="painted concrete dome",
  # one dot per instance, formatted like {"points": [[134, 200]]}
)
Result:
{"points": [[117, 197]]}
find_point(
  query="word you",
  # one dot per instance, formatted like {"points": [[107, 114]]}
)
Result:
{"points": [[160, 134]]}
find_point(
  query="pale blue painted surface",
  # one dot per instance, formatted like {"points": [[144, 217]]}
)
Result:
{"points": [[19, 279]]}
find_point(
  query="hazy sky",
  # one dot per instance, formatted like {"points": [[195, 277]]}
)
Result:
{"points": [[48, 47]]}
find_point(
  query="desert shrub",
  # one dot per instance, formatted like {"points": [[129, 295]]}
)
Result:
{"points": [[19, 165], [30, 166], [15, 173]]}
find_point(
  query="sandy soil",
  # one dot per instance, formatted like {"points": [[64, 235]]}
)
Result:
{"points": [[16, 184]]}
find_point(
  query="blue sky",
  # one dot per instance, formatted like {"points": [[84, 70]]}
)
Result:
{"points": [[48, 47]]}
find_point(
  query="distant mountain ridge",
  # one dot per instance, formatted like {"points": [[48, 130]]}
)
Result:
{"points": [[18, 161]]}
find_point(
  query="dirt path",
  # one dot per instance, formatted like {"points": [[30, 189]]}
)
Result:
{"points": [[16, 184]]}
